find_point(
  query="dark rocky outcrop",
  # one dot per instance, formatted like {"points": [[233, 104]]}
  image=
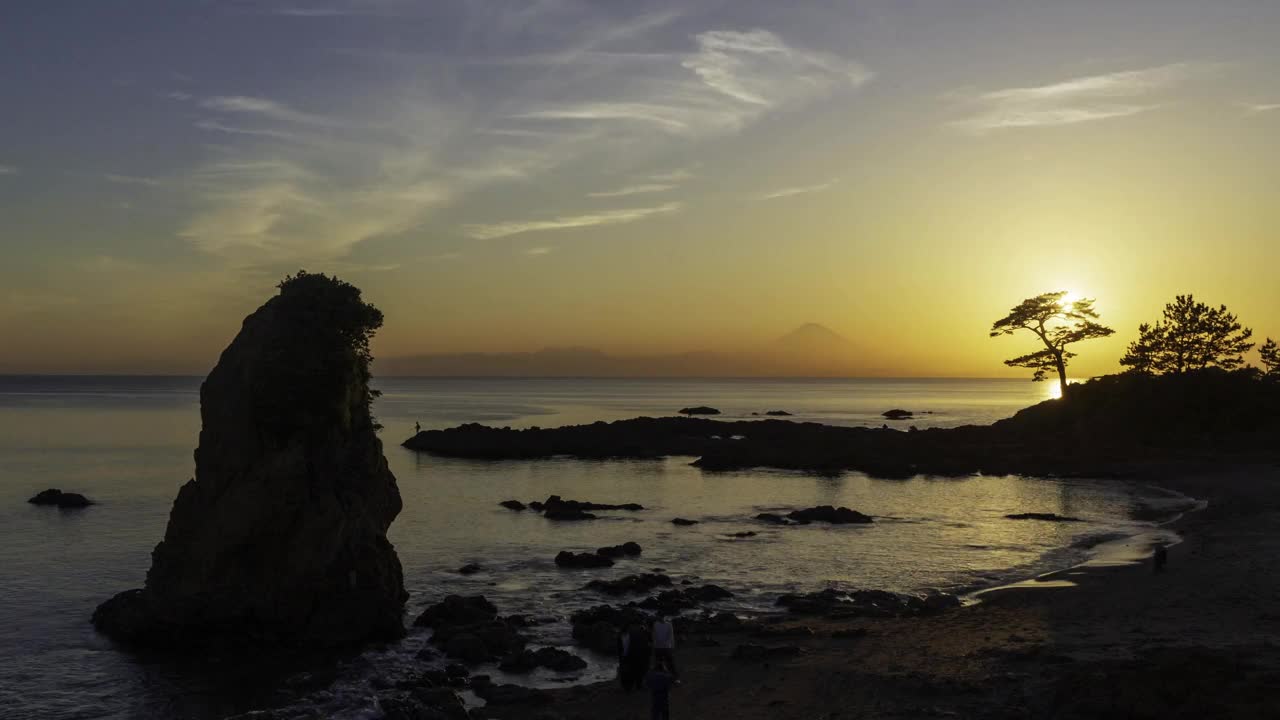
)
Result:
{"points": [[54, 496], [567, 559], [626, 549], [772, 518], [683, 521], [469, 629], [512, 504], [699, 410], [1048, 517], [597, 628], [469, 569], [671, 602], [1109, 426], [551, 658], [898, 414], [778, 413], [458, 610], [743, 534], [281, 537], [631, 584], [829, 514]]}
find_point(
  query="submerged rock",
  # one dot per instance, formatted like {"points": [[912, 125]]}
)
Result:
{"points": [[829, 514], [458, 610], [778, 413], [567, 559], [548, 657], [699, 410], [54, 496], [630, 584], [281, 537], [512, 504], [469, 569], [1048, 517], [683, 521], [898, 414]]}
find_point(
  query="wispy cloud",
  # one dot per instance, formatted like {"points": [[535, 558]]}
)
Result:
{"points": [[263, 107], [131, 180], [801, 190], [609, 217], [728, 81], [8, 170], [633, 190], [1078, 100], [1262, 107], [538, 251], [293, 181]]}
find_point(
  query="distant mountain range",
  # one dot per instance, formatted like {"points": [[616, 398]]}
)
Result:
{"points": [[811, 350]]}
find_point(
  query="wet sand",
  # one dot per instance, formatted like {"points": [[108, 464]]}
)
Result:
{"points": [[1198, 640]]}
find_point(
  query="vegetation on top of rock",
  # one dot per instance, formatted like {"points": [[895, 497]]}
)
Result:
{"points": [[1192, 336]]}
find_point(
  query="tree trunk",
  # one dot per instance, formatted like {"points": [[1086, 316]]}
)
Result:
{"points": [[1062, 376]]}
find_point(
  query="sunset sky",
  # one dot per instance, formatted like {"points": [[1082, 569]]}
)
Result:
{"points": [[637, 177]]}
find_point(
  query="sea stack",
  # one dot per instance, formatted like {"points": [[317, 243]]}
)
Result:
{"points": [[280, 540]]}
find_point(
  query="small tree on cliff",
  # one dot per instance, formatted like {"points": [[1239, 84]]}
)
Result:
{"points": [[1192, 336], [1271, 359], [1057, 323]]}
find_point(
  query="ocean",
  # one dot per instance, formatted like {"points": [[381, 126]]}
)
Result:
{"points": [[127, 443]]}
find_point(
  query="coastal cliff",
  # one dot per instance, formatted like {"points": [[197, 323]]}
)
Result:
{"points": [[281, 537]]}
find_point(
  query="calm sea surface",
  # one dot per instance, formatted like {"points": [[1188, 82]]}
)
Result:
{"points": [[127, 443]]}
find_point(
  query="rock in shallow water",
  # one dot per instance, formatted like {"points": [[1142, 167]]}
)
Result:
{"points": [[281, 537], [54, 496]]}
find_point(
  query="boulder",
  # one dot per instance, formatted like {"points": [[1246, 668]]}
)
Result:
{"points": [[829, 514], [1047, 517], [469, 569], [699, 410], [281, 537], [744, 534], [772, 518], [54, 496], [627, 549], [683, 521], [898, 414], [458, 610], [778, 413], [512, 504], [567, 559], [567, 514]]}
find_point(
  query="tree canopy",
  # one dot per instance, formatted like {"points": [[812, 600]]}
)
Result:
{"points": [[1270, 353], [1057, 323], [1192, 336]]}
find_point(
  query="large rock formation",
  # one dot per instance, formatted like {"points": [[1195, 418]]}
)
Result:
{"points": [[281, 537]]}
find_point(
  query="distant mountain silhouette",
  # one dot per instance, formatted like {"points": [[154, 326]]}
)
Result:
{"points": [[811, 350]]}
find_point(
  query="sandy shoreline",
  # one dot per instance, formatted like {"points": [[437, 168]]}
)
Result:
{"points": [[1120, 641]]}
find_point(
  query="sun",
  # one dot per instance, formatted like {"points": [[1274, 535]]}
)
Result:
{"points": [[1069, 300]]}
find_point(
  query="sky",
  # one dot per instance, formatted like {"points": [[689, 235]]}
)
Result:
{"points": [[638, 178]]}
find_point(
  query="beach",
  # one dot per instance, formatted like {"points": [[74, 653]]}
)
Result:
{"points": [[1197, 640]]}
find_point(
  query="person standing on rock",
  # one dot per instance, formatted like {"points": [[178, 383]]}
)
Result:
{"points": [[664, 643], [660, 680]]}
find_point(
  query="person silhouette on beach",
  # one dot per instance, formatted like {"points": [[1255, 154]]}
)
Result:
{"points": [[417, 428], [633, 656], [664, 643], [660, 679]]}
